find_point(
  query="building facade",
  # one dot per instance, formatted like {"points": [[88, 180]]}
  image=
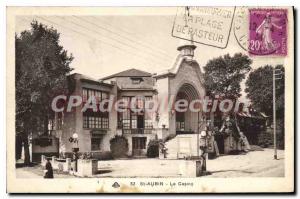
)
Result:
{"points": [[95, 129]]}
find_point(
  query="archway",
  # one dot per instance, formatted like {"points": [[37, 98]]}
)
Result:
{"points": [[187, 121]]}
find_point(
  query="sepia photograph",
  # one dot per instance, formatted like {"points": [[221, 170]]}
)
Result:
{"points": [[150, 99]]}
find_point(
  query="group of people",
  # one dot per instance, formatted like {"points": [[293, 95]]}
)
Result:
{"points": [[237, 140], [234, 138]]}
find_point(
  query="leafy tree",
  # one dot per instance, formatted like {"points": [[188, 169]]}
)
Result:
{"points": [[223, 75], [259, 89], [42, 66]]}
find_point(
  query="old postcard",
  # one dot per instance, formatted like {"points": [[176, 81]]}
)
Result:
{"points": [[150, 99]]}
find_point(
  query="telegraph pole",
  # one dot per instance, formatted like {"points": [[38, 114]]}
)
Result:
{"points": [[274, 114], [275, 77], [198, 137]]}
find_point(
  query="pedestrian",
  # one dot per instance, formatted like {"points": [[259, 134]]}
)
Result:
{"points": [[244, 142], [231, 132], [49, 170]]}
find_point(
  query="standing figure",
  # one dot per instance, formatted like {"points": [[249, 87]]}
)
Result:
{"points": [[231, 132], [265, 31], [244, 142], [49, 170], [203, 149]]}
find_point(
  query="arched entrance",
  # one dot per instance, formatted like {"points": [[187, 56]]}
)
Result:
{"points": [[187, 122]]}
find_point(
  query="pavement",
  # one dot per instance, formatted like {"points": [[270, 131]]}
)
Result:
{"points": [[251, 164], [37, 172]]}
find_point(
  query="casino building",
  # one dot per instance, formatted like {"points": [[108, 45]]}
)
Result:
{"points": [[95, 129]]}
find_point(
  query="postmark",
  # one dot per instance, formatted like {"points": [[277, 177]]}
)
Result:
{"points": [[268, 32], [241, 27], [205, 25]]}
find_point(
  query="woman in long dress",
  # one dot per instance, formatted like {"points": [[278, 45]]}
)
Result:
{"points": [[49, 170], [265, 30]]}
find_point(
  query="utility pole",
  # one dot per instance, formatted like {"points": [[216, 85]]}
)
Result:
{"points": [[274, 115], [198, 137], [275, 77]]}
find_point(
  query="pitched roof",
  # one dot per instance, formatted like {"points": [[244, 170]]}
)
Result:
{"points": [[89, 79], [129, 73]]}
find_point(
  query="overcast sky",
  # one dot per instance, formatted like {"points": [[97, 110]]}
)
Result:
{"points": [[103, 45]]}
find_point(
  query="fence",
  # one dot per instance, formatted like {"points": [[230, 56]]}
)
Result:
{"points": [[85, 167], [62, 165]]}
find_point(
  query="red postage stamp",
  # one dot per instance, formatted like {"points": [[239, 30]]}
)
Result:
{"points": [[268, 32]]}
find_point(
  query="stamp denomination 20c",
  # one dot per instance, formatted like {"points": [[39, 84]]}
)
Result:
{"points": [[268, 32]]}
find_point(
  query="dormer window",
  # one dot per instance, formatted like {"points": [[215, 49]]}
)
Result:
{"points": [[136, 80]]}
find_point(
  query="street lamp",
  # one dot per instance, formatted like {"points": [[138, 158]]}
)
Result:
{"points": [[75, 148]]}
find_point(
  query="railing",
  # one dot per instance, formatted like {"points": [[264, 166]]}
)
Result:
{"points": [[137, 131]]}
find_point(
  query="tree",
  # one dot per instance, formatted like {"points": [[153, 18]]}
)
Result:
{"points": [[42, 66], [259, 89], [223, 75]]}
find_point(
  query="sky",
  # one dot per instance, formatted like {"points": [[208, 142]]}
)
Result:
{"points": [[104, 45]]}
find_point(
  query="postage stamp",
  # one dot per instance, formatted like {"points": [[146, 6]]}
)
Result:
{"points": [[268, 32]]}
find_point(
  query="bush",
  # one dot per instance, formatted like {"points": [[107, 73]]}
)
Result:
{"points": [[153, 148], [119, 147]]}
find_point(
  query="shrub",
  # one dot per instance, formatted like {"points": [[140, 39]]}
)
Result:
{"points": [[153, 148], [118, 146]]}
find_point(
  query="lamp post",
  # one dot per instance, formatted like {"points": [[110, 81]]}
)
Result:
{"points": [[75, 148]]}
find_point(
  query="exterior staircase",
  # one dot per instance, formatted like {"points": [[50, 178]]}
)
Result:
{"points": [[180, 147]]}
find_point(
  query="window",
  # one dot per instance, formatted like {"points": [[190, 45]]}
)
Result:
{"points": [[99, 95], [85, 122], [91, 119], [180, 126], [95, 120], [126, 119], [148, 114], [90, 93], [105, 123], [84, 95], [136, 80], [133, 120], [104, 95], [96, 143], [148, 124]]}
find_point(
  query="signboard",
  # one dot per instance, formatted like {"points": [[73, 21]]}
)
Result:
{"points": [[206, 25]]}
